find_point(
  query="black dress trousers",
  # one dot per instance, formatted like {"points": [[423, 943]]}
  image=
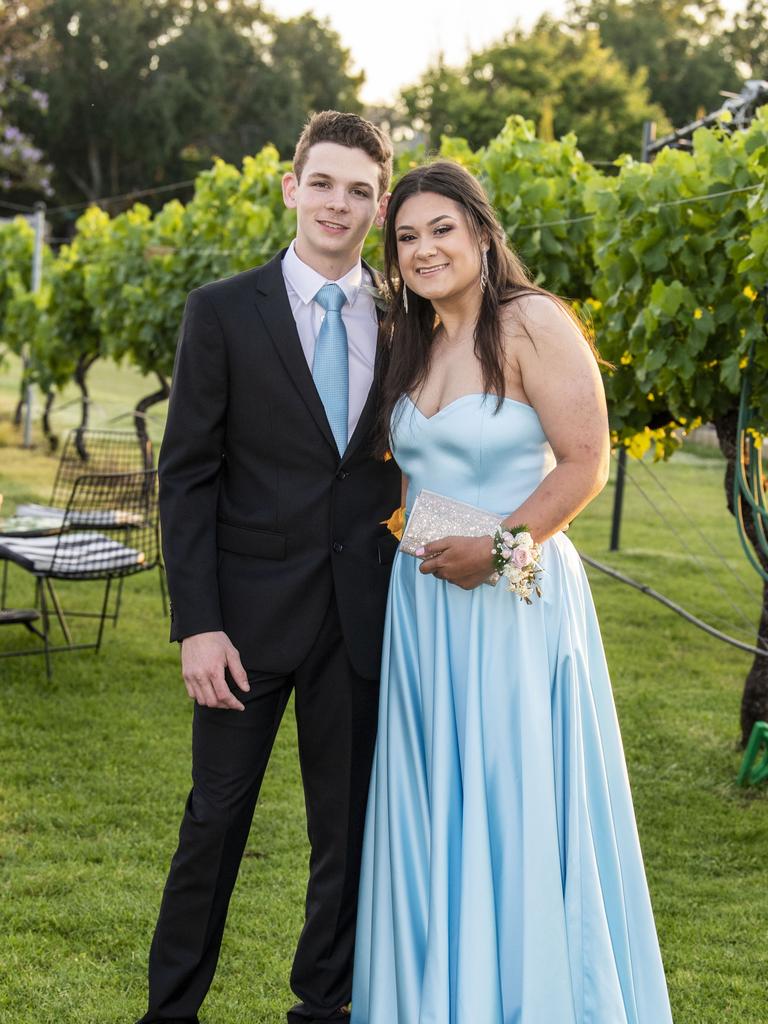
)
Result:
{"points": [[336, 711]]}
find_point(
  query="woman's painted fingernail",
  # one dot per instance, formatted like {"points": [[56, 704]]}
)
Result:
{"points": [[420, 552]]}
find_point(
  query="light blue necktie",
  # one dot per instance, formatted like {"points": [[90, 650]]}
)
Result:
{"points": [[330, 368]]}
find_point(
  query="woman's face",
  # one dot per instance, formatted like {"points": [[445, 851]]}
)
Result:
{"points": [[437, 251]]}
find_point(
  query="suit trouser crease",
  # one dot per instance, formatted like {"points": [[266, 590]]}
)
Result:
{"points": [[340, 753], [336, 722], [204, 869]]}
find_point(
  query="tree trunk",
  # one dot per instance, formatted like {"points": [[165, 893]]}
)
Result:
{"points": [[84, 364], [52, 439], [140, 412], [17, 412], [94, 166], [114, 180], [754, 700]]}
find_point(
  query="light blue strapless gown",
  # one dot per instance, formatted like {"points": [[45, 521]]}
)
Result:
{"points": [[502, 878]]}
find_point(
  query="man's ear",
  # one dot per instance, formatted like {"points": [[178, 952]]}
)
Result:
{"points": [[381, 213], [290, 184]]}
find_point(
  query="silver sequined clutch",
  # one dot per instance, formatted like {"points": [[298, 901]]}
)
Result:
{"points": [[434, 516]]}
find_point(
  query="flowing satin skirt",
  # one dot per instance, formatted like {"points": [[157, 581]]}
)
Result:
{"points": [[502, 877]]}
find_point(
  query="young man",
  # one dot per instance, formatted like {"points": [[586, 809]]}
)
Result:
{"points": [[271, 506]]}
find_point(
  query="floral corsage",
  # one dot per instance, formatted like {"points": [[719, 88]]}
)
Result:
{"points": [[517, 558], [380, 295], [396, 522]]}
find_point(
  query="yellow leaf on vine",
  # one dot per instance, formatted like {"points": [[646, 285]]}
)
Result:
{"points": [[639, 444]]}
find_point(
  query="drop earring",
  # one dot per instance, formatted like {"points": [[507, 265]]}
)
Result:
{"points": [[483, 270], [405, 299]]}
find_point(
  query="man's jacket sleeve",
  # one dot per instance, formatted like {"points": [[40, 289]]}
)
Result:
{"points": [[190, 465]]}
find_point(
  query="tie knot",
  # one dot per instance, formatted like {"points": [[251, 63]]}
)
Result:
{"points": [[331, 298]]}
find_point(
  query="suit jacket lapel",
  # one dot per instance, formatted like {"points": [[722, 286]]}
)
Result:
{"points": [[275, 311]]}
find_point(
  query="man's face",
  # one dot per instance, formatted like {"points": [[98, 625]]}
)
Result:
{"points": [[336, 202]]}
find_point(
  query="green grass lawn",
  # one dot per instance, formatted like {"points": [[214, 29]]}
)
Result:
{"points": [[94, 770]]}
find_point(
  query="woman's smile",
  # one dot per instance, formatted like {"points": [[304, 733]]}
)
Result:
{"points": [[430, 271]]}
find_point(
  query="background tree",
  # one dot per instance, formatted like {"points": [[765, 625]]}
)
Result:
{"points": [[748, 39], [226, 86], [22, 168], [680, 44], [94, 62], [562, 80], [144, 92], [311, 72]]}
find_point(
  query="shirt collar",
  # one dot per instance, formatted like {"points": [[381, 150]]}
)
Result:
{"points": [[306, 282]]}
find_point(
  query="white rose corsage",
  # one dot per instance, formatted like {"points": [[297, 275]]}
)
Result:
{"points": [[517, 558]]}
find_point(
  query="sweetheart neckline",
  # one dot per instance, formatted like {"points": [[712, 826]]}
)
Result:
{"points": [[461, 398]]}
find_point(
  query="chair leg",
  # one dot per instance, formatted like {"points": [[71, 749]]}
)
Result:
{"points": [[34, 630], [5, 585], [103, 616], [46, 625], [118, 601], [59, 612]]}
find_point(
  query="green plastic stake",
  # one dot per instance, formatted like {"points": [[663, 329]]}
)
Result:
{"points": [[754, 765]]}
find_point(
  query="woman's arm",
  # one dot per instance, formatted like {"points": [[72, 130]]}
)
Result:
{"points": [[562, 382]]}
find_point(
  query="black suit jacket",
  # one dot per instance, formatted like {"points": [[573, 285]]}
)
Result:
{"points": [[262, 521]]}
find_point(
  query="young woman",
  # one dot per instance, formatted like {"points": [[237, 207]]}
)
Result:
{"points": [[502, 876]]}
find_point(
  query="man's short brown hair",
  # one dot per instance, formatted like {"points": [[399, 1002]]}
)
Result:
{"points": [[349, 130]]}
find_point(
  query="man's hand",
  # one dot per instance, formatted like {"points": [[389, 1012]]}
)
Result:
{"points": [[464, 561], [204, 657]]}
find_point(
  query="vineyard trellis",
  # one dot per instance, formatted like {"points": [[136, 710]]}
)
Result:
{"points": [[739, 111], [666, 258]]}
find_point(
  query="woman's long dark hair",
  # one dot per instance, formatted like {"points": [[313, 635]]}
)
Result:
{"points": [[409, 335]]}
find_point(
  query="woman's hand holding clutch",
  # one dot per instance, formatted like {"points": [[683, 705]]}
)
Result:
{"points": [[464, 561]]}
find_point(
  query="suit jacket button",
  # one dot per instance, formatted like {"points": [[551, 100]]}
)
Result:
{"points": [[337, 547], [342, 474]]}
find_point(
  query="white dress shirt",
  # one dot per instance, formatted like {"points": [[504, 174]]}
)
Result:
{"points": [[358, 313]]}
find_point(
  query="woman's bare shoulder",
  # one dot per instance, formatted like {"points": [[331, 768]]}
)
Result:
{"points": [[535, 316]]}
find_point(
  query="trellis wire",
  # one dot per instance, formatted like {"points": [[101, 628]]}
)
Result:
{"points": [[691, 554]]}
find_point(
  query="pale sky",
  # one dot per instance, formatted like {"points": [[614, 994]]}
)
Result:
{"points": [[397, 45]]}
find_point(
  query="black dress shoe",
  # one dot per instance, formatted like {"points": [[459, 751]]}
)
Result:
{"points": [[301, 1014], [172, 1020]]}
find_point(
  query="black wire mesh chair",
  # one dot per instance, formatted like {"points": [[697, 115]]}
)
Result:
{"points": [[110, 530], [92, 451]]}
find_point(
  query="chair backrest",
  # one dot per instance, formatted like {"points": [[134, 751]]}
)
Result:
{"points": [[98, 451], [111, 527]]}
